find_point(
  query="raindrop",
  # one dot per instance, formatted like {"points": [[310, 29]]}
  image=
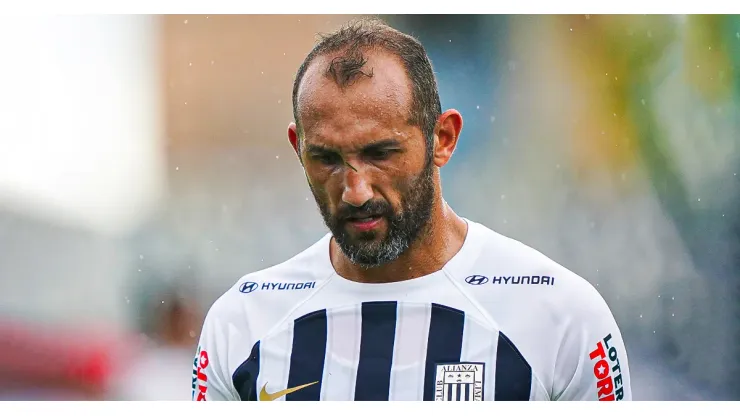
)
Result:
{"points": [[588, 17], [139, 270], [141, 257], [192, 334], [698, 199], [557, 166], [477, 107], [262, 72], [280, 101], [277, 157], [571, 29], [186, 22], [503, 197], [640, 315], [506, 222], [737, 35], [653, 332], [673, 314], [190, 64], [658, 296], [262, 259], [642, 101], [213, 62], [450, 40], [162, 302], [673, 298], [306, 198], [186, 103], [177, 168], [493, 119]]}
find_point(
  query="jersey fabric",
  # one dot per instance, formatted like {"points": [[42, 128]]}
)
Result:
{"points": [[500, 321]]}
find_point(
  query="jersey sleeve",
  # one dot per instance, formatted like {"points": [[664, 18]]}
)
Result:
{"points": [[592, 360], [211, 378]]}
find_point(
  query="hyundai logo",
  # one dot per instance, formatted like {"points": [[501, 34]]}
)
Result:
{"points": [[476, 280], [248, 287]]}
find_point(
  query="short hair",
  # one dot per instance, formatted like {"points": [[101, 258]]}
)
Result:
{"points": [[360, 35]]}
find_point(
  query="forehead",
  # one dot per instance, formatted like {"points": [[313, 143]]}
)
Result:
{"points": [[367, 107]]}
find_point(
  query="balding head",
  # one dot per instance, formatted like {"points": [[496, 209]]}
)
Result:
{"points": [[346, 59]]}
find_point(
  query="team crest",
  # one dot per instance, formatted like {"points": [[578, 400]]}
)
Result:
{"points": [[459, 382]]}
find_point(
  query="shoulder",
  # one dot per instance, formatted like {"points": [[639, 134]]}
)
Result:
{"points": [[531, 279], [271, 292]]}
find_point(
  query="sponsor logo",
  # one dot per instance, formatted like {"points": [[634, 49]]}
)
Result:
{"points": [[476, 280], [523, 280], [459, 382], [249, 287], [200, 379], [269, 397], [609, 383]]}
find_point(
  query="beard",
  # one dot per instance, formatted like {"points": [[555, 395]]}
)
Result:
{"points": [[404, 226]]}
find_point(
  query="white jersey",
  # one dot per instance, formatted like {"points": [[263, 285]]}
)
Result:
{"points": [[500, 321]]}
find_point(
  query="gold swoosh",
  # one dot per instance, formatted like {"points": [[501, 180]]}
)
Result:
{"points": [[268, 397]]}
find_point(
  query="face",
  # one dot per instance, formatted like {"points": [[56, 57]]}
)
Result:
{"points": [[367, 168]]}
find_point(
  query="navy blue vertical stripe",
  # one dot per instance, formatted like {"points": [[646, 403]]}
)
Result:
{"points": [[245, 376], [444, 343], [458, 391], [307, 356], [376, 351], [513, 372]]}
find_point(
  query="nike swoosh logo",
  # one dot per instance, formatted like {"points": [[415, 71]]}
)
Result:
{"points": [[268, 397]]}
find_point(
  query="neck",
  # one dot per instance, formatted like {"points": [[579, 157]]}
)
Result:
{"points": [[443, 238]]}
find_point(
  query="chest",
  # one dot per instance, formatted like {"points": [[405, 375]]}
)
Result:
{"points": [[385, 351]]}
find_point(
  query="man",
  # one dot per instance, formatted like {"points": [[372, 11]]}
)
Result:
{"points": [[403, 300]]}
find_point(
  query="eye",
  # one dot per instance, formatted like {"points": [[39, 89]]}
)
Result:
{"points": [[327, 158], [379, 154]]}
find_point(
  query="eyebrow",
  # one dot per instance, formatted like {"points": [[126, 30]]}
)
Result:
{"points": [[380, 144]]}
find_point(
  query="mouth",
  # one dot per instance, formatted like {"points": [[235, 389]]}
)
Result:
{"points": [[364, 222]]}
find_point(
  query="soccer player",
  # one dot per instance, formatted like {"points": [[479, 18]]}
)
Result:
{"points": [[403, 299]]}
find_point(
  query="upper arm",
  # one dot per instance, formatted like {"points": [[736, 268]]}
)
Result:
{"points": [[211, 379], [592, 361]]}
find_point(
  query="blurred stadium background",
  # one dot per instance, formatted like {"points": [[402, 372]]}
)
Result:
{"points": [[144, 169]]}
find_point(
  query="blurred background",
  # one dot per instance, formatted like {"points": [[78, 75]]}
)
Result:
{"points": [[144, 168]]}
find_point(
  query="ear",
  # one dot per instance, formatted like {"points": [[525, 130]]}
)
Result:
{"points": [[449, 126], [293, 138]]}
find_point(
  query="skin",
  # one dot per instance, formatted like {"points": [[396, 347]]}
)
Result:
{"points": [[379, 155]]}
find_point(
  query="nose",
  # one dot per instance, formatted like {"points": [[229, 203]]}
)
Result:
{"points": [[357, 189]]}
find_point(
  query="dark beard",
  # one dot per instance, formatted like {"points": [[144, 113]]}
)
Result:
{"points": [[404, 227]]}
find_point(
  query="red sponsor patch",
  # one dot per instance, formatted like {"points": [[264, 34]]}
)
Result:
{"points": [[608, 374], [200, 379]]}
